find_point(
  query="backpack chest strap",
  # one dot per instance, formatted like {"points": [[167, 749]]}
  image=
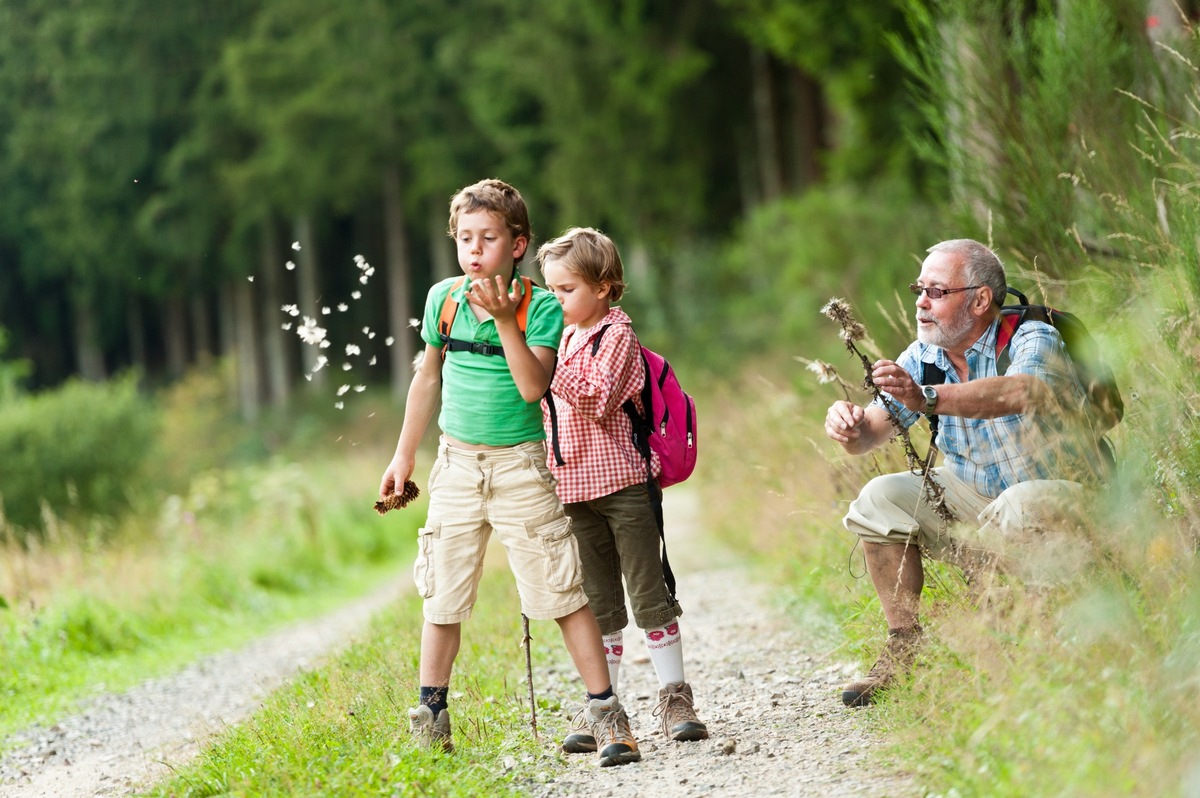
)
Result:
{"points": [[475, 347]]}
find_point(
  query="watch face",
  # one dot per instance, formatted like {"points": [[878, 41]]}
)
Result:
{"points": [[929, 392]]}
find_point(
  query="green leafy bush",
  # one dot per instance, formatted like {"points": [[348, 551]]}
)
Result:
{"points": [[788, 258], [80, 448]]}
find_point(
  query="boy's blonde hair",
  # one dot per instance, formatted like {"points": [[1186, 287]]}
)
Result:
{"points": [[589, 254], [497, 197]]}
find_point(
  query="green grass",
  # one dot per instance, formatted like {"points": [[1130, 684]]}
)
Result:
{"points": [[343, 729], [242, 552]]}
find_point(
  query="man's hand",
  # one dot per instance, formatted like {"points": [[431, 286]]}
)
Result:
{"points": [[843, 422], [490, 296], [899, 384]]}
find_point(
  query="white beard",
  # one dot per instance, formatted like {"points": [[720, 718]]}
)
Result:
{"points": [[948, 334]]}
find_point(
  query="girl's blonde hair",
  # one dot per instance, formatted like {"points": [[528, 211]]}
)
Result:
{"points": [[591, 255]]}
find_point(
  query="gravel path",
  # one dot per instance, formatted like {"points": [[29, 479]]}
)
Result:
{"points": [[121, 741], [771, 702]]}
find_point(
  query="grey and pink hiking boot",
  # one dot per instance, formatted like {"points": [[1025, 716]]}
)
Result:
{"points": [[677, 714], [614, 741]]}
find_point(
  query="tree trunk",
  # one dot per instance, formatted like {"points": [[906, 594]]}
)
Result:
{"points": [[746, 171], [766, 138], [807, 129], [175, 335], [308, 292], [87, 341], [441, 251], [274, 345], [201, 327], [135, 325], [249, 375], [227, 319], [399, 279]]}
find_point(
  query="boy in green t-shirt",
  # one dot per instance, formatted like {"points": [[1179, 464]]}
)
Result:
{"points": [[491, 472]]}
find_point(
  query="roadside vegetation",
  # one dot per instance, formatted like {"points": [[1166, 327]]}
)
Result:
{"points": [[199, 558]]}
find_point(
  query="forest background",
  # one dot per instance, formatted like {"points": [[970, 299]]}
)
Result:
{"points": [[184, 183]]}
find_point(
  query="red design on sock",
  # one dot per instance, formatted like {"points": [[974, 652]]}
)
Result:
{"points": [[656, 635], [672, 629], [617, 651]]}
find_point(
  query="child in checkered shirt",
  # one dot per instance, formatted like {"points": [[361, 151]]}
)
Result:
{"points": [[602, 476]]}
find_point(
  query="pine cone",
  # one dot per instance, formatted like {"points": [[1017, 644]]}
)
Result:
{"points": [[394, 502]]}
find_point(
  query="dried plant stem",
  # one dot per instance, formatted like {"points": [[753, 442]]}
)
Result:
{"points": [[852, 330]]}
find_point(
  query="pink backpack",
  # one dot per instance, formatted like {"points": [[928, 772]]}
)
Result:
{"points": [[668, 423], [666, 426]]}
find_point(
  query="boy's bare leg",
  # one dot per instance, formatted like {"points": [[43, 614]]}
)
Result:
{"points": [[581, 634], [898, 578], [602, 725], [439, 647]]}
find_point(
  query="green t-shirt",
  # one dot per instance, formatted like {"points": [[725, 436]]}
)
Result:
{"points": [[480, 400]]}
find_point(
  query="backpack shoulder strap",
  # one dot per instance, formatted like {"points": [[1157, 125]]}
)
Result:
{"points": [[1011, 318], [523, 307], [596, 339], [449, 310], [639, 419], [932, 375]]}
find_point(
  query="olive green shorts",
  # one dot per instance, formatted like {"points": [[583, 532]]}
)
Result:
{"points": [[618, 538]]}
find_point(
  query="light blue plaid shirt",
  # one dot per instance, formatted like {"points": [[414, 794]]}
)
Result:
{"points": [[993, 454]]}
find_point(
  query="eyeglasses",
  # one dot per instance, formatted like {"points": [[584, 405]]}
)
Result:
{"points": [[937, 293]]}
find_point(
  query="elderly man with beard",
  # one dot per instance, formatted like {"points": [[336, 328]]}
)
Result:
{"points": [[1011, 453]]}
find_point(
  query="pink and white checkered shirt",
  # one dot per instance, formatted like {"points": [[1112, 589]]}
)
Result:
{"points": [[595, 436]]}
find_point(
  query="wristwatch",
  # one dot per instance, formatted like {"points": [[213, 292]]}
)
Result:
{"points": [[931, 397]]}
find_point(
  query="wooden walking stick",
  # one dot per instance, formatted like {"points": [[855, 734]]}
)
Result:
{"points": [[529, 675]]}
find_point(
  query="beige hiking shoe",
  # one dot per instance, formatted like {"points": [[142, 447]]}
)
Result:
{"points": [[678, 715], [895, 660], [431, 732], [579, 739], [610, 727]]}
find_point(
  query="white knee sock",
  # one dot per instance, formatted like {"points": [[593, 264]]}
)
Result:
{"points": [[614, 648], [666, 653]]}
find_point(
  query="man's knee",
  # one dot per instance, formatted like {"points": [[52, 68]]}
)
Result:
{"points": [[878, 514], [1035, 506]]}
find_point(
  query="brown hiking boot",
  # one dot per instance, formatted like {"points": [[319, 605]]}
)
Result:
{"points": [[895, 660], [431, 732], [579, 739], [678, 715], [610, 726]]}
